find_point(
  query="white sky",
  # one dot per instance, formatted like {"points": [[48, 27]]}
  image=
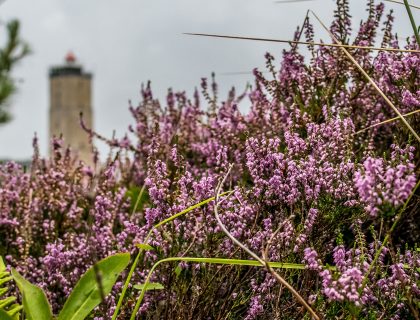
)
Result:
{"points": [[127, 42]]}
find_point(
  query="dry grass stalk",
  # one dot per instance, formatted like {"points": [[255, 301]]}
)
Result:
{"points": [[387, 121], [338, 45], [263, 261], [383, 95], [399, 2]]}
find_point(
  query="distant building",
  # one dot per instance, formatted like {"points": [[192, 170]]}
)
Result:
{"points": [[70, 94]]}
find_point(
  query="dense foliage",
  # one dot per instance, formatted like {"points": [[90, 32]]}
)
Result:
{"points": [[13, 50], [309, 187]]}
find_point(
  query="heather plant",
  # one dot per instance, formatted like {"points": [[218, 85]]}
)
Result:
{"points": [[323, 190]]}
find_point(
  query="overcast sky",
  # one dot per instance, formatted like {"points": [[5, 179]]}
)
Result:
{"points": [[127, 42]]}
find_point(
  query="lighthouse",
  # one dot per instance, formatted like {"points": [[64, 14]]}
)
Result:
{"points": [[70, 95]]}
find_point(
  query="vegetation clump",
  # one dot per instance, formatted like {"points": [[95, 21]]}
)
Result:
{"points": [[320, 187]]}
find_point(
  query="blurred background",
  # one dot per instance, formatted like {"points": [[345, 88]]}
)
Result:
{"points": [[124, 43]]}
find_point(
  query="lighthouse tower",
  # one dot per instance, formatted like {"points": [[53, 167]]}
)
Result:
{"points": [[70, 94]]}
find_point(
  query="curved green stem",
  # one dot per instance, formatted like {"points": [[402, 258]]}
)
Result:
{"points": [[146, 240], [252, 263], [413, 22]]}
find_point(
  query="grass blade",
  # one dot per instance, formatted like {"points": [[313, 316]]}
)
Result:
{"points": [[413, 22], [262, 261], [220, 261], [399, 2], [337, 45], [149, 286], [134, 265], [387, 121]]}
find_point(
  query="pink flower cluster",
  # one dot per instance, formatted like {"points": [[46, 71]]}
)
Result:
{"points": [[354, 281], [382, 182]]}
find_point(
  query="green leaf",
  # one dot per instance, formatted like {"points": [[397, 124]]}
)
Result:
{"points": [[178, 270], [35, 303], [3, 291], [14, 311], [5, 316], [3, 273], [7, 305], [145, 246], [6, 302], [86, 295], [149, 286], [4, 280]]}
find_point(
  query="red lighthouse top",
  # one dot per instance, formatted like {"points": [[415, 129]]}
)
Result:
{"points": [[70, 57]]}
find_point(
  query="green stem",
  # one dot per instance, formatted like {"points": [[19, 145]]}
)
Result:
{"points": [[253, 263], [413, 23], [139, 196], [136, 261]]}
